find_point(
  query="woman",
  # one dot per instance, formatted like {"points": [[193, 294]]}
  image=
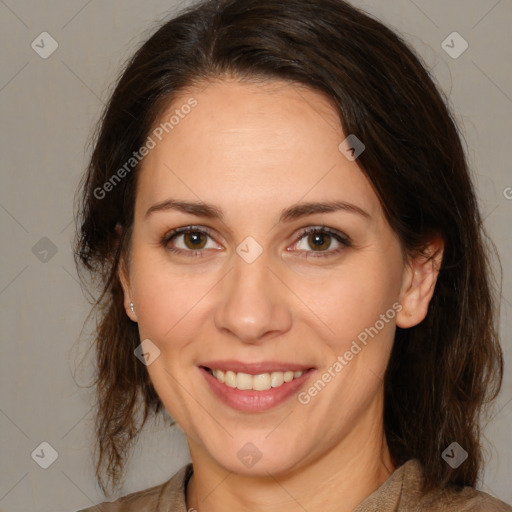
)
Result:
{"points": [[294, 267]]}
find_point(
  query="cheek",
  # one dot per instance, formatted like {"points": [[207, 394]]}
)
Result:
{"points": [[352, 298], [168, 300]]}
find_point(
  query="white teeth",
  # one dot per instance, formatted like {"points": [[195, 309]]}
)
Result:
{"points": [[288, 376], [230, 379], [260, 382], [243, 381], [276, 379], [220, 375]]}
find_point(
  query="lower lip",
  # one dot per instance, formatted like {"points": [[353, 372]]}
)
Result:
{"points": [[254, 401]]}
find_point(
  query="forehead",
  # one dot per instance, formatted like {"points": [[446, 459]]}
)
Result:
{"points": [[249, 144]]}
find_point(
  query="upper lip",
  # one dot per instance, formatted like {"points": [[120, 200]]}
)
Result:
{"points": [[255, 368]]}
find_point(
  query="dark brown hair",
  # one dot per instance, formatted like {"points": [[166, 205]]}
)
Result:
{"points": [[442, 371]]}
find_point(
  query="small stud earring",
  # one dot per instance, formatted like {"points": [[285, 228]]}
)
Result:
{"points": [[132, 307]]}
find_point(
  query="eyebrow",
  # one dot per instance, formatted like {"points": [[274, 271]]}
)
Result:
{"points": [[200, 209]]}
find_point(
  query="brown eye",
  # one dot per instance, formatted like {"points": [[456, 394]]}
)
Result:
{"points": [[189, 241], [194, 240], [319, 241]]}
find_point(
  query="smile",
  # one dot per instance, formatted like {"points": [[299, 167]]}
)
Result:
{"points": [[255, 387], [260, 382]]}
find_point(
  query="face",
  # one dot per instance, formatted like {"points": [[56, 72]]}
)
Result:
{"points": [[265, 276]]}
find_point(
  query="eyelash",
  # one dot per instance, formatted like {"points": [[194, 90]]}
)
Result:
{"points": [[339, 237]]}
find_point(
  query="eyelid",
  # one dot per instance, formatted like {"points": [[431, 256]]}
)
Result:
{"points": [[323, 229], [185, 229]]}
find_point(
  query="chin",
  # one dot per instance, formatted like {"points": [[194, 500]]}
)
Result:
{"points": [[258, 458]]}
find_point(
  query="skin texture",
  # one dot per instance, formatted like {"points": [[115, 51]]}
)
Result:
{"points": [[252, 150]]}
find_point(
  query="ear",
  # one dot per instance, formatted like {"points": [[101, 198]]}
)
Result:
{"points": [[418, 284], [124, 278]]}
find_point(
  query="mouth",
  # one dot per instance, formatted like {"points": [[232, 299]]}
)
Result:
{"points": [[259, 382], [254, 387]]}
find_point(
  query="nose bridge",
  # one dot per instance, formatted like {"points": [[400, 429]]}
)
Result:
{"points": [[253, 302]]}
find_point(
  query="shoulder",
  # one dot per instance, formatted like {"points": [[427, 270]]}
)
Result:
{"points": [[464, 500], [170, 493], [467, 499]]}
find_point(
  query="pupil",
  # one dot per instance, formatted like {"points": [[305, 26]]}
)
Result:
{"points": [[319, 240], [194, 239]]}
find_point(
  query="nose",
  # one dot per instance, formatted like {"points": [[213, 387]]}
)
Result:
{"points": [[254, 303]]}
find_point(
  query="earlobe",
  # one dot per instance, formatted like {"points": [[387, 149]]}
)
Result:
{"points": [[124, 279], [419, 281]]}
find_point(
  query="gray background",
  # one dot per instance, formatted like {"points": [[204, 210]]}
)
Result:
{"points": [[49, 107]]}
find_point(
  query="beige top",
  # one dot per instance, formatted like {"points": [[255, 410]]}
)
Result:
{"points": [[399, 493]]}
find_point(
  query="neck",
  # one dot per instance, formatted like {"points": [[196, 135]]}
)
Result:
{"points": [[336, 482]]}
